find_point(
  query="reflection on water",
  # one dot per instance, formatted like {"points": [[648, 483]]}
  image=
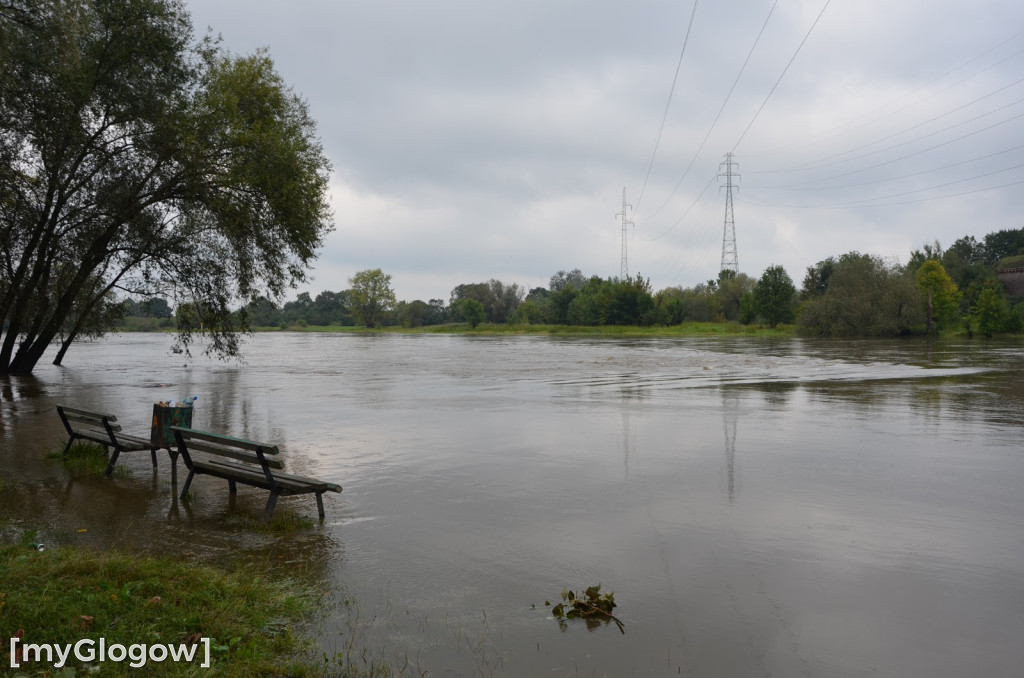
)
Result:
{"points": [[758, 507]]}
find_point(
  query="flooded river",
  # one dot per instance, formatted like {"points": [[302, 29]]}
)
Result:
{"points": [[759, 508]]}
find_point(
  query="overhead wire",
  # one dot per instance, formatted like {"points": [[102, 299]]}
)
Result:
{"points": [[806, 187], [838, 130], [714, 122], [668, 104], [834, 159], [781, 75], [900, 202]]}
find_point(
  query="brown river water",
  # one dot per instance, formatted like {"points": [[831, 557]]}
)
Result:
{"points": [[759, 507]]}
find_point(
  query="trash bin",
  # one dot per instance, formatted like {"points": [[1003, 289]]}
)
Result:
{"points": [[163, 419]]}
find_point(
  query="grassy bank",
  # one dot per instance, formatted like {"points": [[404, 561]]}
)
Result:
{"points": [[257, 624], [66, 595], [692, 329]]}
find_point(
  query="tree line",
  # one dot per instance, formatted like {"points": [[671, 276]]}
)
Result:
{"points": [[849, 295]]}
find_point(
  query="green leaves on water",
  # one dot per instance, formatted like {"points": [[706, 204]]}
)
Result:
{"points": [[590, 605]]}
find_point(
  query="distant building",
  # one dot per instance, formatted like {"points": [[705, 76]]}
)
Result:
{"points": [[1013, 280]]}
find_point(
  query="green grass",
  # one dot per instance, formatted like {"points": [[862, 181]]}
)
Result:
{"points": [[86, 459], [66, 595], [254, 615]]}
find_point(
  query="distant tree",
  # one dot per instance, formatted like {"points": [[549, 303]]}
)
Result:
{"points": [[262, 312], [413, 313], [1002, 244], [866, 296], [473, 311], [729, 291], [499, 300], [817, 278], [992, 313], [775, 296], [574, 279], [627, 302], [370, 295], [437, 313], [929, 252], [940, 292]]}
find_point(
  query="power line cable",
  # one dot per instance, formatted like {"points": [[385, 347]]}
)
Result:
{"points": [[855, 205], [925, 150], [806, 187], [836, 159], [668, 104], [688, 210], [782, 75], [686, 172], [835, 131]]}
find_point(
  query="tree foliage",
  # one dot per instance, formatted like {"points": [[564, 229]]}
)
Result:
{"points": [[775, 296], [134, 159], [472, 310], [371, 295], [865, 296], [941, 295]]}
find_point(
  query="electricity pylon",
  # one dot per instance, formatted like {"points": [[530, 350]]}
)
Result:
{"points": [[730, 261]]}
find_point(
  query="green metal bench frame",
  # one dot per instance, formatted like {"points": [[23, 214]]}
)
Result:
{"points": [[237, 460], [103, 429]]}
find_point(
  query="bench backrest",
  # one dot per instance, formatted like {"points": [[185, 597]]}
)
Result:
{"points": [[237, 449], [72, 415]]}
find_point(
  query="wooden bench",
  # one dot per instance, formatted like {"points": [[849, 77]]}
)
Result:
{"points": [[244, 461], [103, 429]]}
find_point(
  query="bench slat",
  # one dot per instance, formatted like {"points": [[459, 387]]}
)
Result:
{"points": [[281, 478], [193, 434], [94, 421], [283, 486], [86, 413], [240, 455]]}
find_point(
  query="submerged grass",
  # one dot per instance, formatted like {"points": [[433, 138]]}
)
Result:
{"points": [[86, 459]]}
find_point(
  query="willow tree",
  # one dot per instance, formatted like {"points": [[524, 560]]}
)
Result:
{"points": [[136, 159]]}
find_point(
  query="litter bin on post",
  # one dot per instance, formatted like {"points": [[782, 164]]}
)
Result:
{"points": [[162, 436]]}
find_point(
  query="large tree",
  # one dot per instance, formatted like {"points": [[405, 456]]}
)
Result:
{"points": [[134, 158]]}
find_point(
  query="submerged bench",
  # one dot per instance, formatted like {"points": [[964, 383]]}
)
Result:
{"points": [[244, 461], [103, 429]]}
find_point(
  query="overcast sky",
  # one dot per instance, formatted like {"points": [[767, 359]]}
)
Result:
{"points": [[475, 139]]}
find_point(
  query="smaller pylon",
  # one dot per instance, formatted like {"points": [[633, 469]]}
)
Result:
{"points": [[624, 270]]}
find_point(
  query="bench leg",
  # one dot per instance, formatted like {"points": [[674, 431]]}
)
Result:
{"points": [[188, 482], [232, 487], [174, 467], [113, 460], [320, 504], [68, 446], [271, 503], [152, 453]]}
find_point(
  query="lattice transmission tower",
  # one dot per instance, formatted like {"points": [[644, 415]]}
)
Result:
{"points": [[730, 261], [624, 272]]}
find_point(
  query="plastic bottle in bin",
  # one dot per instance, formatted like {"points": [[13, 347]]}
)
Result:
{"points": [[189, 400]]}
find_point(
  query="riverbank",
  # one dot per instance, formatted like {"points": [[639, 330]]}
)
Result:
{"points": [[691, 329], [142, 608]]}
